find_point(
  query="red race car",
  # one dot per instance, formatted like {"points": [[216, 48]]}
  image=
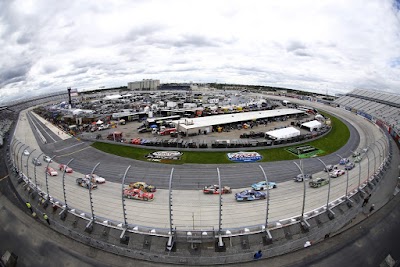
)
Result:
{"points": [[138, 194], [63, 167], [50, 171], [214, 189]]}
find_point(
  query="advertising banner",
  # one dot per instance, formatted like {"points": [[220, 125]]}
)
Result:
{"points": [[244, 156]]}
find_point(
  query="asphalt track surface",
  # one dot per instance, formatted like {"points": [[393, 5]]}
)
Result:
{"points": [[190, 205]]}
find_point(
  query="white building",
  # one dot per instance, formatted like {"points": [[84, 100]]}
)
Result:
{"points": [[144, 85]]}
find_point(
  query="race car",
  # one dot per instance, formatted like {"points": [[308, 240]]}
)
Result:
{"points": [[138, 194], [95, 178], [263, 185], [250, 195], [336, 173], [318, 182], [299, 178], [46, 158], [349, 166], [36, 162], [26, 152], [344, 161], [84, 182], [143, 186], [356, 154], [50, 171], [67, 169], [330, 168], [357, 159], [214, 189]]}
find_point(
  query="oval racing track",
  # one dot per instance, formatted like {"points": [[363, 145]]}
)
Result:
{"points": [[191, 208]]}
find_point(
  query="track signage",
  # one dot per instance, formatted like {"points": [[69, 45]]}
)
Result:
{"points": [[244, 156], [159, 155]]}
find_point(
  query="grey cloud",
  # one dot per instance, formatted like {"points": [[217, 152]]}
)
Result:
{"points": [[295, 45], [14, 74], [49, 69], [301, 53], [144, 31]]}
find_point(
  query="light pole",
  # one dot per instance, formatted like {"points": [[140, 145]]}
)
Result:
{"points": [[124, 238], [331, 214], [359, 174]]}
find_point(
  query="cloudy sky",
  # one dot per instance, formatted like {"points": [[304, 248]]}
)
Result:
{"points": [[324, 46]]}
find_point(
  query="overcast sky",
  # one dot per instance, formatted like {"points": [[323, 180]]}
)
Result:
{"points": [[323, 46]]}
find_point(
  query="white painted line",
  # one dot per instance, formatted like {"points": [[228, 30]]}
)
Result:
{"points": [[69, 147]]}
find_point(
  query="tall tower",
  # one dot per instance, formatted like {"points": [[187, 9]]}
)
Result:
{"points": [[69, 96]]}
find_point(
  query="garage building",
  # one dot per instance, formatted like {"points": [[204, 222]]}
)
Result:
{"points": [[205, 124]]}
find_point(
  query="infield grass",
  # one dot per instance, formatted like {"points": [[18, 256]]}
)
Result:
{"points": [[335, 139]]}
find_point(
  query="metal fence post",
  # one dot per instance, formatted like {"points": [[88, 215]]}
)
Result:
{"points": [[47, 183], [19, 170], [89, 226], [171, 241], [268, 234], [124, 238], [27, 165], [22, 164], [14, 148], [123, 198], [304, 223], [34, 171], [220, 242], [330, 213], [64, 212]]}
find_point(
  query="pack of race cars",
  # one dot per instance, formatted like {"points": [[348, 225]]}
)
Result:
{"points": [[145, 192]]}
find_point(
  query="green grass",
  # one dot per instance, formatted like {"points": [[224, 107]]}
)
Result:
{"points": [[335, 139]]}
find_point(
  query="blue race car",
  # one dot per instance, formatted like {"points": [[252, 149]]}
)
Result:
{"points": [[263, 185], [250, 195], [344, 161]]}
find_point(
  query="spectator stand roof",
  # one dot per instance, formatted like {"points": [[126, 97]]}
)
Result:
{"points": [[283, 133], [202, 122], [312, 125]]}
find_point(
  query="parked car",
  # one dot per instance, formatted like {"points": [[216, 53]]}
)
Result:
{"points": [[138, 194], [104, 127], [143, 186], [67, 169], [263, 185], [26, 153], [250, 195], [299, 178], [337, 173], [344, 161], [330, 168], [318, 182], [50, 171], [85, 182], [214, 189], [349, 166], [46, 158], [95, 178], [36, 162]]}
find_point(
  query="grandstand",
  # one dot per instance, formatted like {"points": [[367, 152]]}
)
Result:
{"points": [[384, 108]]}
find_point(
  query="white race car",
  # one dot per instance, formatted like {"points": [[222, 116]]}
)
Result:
{"points": [[336, 173], [95, 178]]}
